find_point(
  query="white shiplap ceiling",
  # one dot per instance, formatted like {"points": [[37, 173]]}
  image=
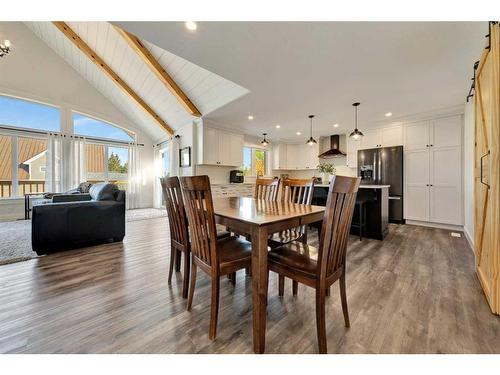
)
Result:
{"points": [[208, 91]]}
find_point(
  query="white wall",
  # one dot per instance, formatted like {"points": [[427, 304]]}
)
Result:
{"points": [[34, 71], [469, 137]]}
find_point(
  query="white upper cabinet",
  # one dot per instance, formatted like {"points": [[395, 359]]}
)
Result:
{"points": [[292, 157], [417, 135], [371, 139], [352, 152], [392, 136], [219, 147], [279, 156], [210, 146], [311, 156], [446, 132], [385, 137]]}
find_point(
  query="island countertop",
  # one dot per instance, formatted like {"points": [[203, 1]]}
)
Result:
{"points": [[360, 186]]}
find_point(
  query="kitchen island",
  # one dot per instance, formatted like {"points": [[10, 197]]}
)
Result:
{"points": [[376, 198]]}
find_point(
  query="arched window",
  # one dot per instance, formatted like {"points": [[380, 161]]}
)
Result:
{"points": [[19, 113], [91, 127]]}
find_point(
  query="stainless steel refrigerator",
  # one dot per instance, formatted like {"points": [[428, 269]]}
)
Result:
{"points": [[384, 166]]}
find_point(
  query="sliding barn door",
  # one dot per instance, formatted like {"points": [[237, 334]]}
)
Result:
{"points": [[486, 174]]}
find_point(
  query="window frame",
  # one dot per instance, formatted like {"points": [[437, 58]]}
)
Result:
{"points": [[92, 137], [253, 173]]}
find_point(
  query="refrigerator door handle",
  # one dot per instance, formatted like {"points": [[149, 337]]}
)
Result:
{"points": [[394, 198]]}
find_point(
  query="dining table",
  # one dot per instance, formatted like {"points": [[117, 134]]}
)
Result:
{"points": [[258, 219]]}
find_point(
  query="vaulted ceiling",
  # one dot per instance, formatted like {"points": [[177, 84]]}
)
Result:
{"points": [[208, 91]]}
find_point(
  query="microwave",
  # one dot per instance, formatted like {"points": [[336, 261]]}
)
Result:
{"points": [[236, 176]]}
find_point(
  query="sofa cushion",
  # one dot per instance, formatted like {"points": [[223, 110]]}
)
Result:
{"points": [[103, 191]]}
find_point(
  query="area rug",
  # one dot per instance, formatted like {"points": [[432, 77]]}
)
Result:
{"points": [[15, 236], [15, 241]]}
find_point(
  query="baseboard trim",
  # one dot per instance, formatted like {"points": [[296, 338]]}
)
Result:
{"points": [[456, 228], [469, 238]]}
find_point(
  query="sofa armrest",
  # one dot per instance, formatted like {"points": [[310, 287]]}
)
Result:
{"points": [[62, 198]]}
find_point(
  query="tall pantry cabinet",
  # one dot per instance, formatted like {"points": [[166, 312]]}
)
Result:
{"points": [[433, 171]]}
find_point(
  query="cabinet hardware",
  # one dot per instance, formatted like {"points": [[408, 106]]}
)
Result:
{"points": [[432, 145], [426, 145]]}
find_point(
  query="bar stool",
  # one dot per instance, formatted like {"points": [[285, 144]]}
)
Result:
{"points": [[361, 210]]}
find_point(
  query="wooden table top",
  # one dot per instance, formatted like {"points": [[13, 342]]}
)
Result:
{"points": [[261, 212]]}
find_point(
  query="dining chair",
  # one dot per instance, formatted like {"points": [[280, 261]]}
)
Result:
{"points": [[177, 221], [216, 257], [320, 267], [293, 191], [267, 189], [179, 229]]}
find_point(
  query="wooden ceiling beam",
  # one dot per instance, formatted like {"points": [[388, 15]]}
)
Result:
{"points": [[90, 53], [135, 43]]}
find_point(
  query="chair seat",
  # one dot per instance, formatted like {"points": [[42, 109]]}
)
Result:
{"points": [[284, 237], [233, 251], [296, 255]]}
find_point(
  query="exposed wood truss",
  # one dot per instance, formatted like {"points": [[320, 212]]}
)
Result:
{"points": [[146, 56], [82, 46]]}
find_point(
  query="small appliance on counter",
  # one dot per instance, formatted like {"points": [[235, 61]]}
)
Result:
{"points": [[236, 177]]}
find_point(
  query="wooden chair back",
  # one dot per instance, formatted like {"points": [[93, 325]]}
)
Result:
{"points": [[201, 219], [267, 189], [297, 190], [177, 220], [336, 224]]}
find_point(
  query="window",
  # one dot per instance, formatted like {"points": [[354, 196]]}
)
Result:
{"points": [[5, 166], [165, 161], [118, 166], [90, 127], [254, 162], [107, 163], [20, 113], [31, 159]]}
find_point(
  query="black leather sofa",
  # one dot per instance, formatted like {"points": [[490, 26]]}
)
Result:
{"points": [[76, 220]]}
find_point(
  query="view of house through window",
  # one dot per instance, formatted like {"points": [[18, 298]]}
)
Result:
{"points": [[107, 163], [254, 162], [31, 165], [5, 166]]}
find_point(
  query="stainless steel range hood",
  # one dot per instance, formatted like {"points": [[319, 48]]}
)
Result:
{"points": [[333, 147]]}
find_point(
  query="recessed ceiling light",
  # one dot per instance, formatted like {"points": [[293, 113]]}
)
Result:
{"points": [[250, 117], [335, 125], [388, 114], [298, 133], [278, 126], [190, 25]]}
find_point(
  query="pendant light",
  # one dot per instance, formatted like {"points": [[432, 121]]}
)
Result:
{"points": [[356, 134], [264, 142], [311, 141]]}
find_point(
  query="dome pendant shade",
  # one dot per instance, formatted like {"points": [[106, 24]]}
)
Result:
{"points": [[264, 142], [356, 134], [311, 141]]}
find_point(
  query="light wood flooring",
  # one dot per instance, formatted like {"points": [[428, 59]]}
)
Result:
{"points": [[415, 292]]}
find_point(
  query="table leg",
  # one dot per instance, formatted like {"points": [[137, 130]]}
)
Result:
{"points": [[260, 277]]}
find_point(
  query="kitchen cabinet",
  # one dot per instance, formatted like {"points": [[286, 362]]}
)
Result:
{"points": [[301, 157], [370, 139], [384, 137], [219, 147], [352, 152], [279, 156], [433, 171]]}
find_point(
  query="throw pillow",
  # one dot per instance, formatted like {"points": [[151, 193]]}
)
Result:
{"points": [[103, 191]]}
